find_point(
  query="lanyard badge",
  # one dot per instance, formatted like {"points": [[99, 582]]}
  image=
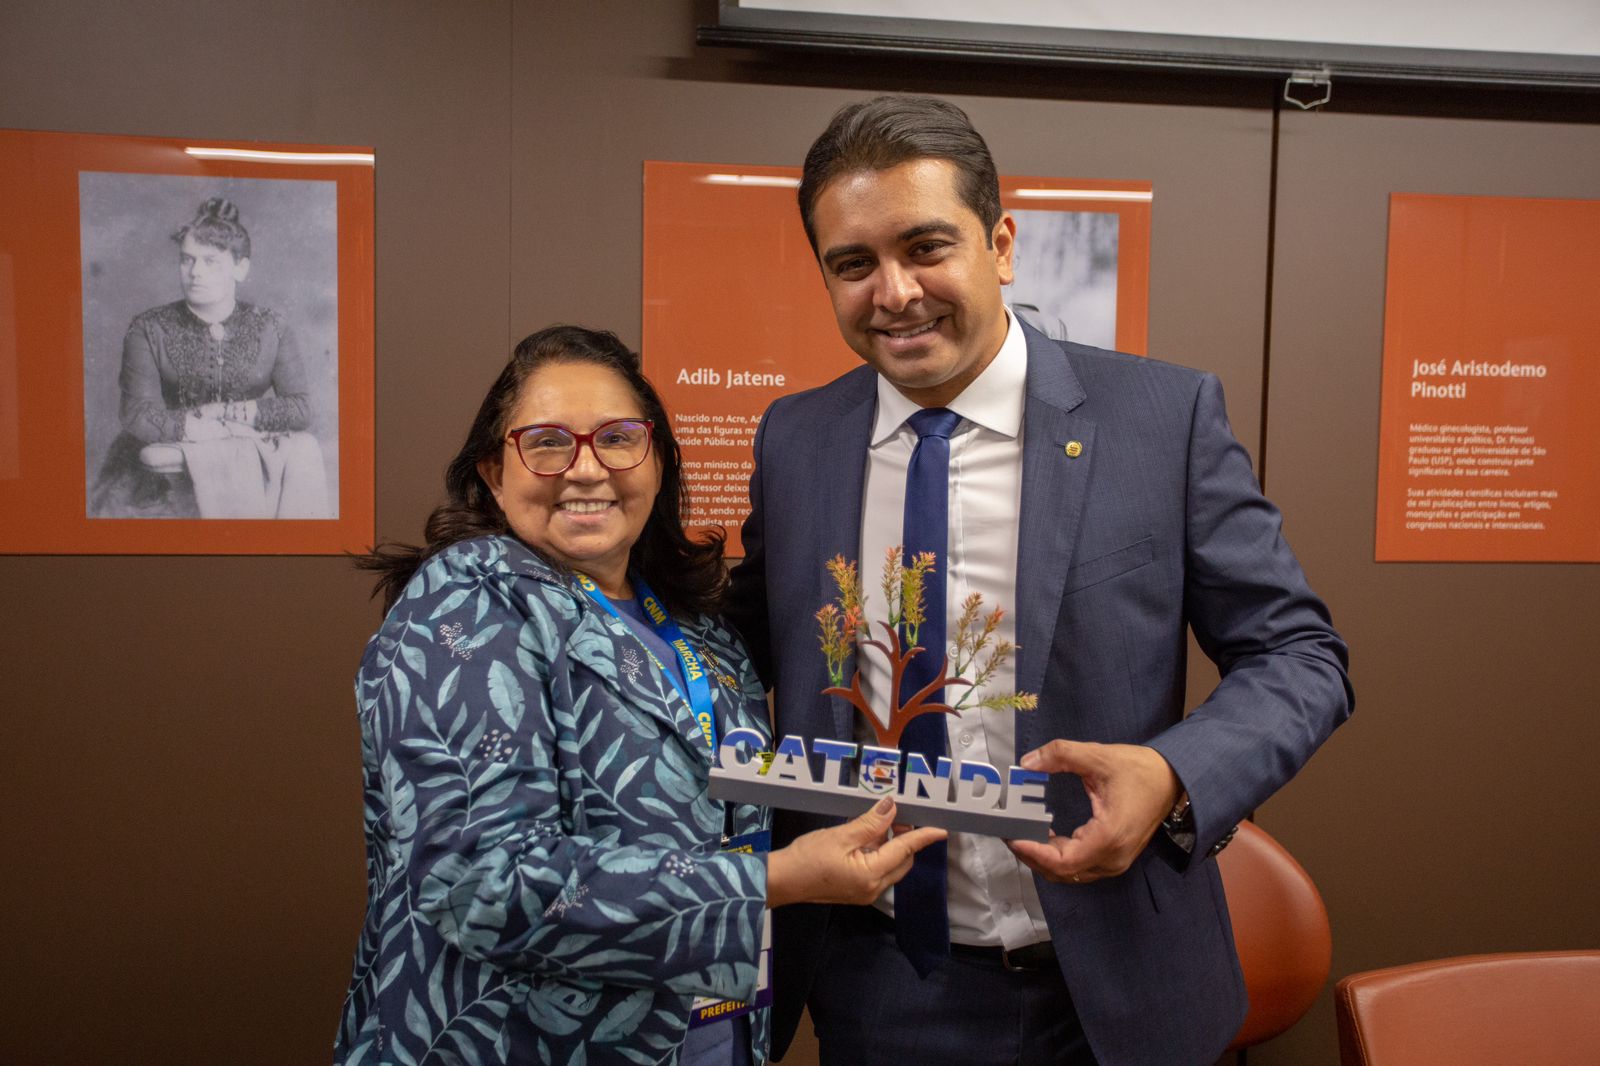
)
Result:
{"points": [[692, 684], [695, 687]]}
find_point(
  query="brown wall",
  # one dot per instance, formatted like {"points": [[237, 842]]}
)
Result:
{"points": [[182, 769], [184, 876], [1453, 816]]}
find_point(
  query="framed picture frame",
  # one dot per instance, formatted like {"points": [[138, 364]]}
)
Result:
{"points": [[186, 346], [1486, 429]]}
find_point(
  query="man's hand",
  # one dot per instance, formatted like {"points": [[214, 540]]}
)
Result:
{"points": [[1131, 788], [849, 863]]}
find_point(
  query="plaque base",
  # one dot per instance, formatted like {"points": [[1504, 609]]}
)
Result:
{"points": [[850, 802]]}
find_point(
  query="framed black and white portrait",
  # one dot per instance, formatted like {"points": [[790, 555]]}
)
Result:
{"points": [[218, 315]]}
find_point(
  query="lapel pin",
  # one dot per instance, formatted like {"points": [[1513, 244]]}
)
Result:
{"points": [[1073, 448]]}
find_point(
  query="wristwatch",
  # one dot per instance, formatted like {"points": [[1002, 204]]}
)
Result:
{"points": [[1180, 819], [1179, 825]]}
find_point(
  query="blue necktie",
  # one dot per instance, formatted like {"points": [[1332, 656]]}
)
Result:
{"points": [[921, 921]]}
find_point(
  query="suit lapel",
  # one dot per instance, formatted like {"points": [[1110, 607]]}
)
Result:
{"points": [[1054, 487], [838, 474]]}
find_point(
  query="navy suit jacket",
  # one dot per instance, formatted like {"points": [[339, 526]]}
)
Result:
{"points": [[1156, 526]]}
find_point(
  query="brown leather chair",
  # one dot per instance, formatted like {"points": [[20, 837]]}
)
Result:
{"points": [[1280, 929], [1531, 1009]]}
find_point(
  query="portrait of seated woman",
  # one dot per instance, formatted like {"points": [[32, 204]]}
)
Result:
{"points": [[216, 405]]}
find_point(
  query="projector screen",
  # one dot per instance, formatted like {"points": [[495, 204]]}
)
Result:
{"points": [[1552, 43]]}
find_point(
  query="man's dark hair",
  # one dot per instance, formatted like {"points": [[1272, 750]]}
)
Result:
{"points": [[886, 131]]}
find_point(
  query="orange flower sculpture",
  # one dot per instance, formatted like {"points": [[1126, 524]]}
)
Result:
{"points": [[843, 629]]}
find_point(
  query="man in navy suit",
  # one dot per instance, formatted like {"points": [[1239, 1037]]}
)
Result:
{"points": [[1103, 500]]}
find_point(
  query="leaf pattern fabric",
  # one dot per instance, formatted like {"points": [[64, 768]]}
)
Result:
{"points": [[544, 884]]}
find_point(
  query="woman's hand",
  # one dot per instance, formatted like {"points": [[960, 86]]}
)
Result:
{"points": [[198, 427], [242, 411], [850, 863]]}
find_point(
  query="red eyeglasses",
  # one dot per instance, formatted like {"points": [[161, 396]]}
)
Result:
{"points": [[549, 448]]}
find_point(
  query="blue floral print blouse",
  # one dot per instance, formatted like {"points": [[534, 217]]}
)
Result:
{"points": [[544, 879]]}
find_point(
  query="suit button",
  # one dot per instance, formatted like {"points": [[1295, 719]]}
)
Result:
{"points": [[966, 740]]}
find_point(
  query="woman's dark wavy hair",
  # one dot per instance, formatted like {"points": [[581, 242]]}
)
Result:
{"points": [[687, 574], [217, 224]]}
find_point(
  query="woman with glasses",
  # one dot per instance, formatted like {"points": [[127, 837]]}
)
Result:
{"points": [[548, 879]]}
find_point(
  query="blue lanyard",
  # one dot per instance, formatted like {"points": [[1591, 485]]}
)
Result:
{"points": [[698, 691]]}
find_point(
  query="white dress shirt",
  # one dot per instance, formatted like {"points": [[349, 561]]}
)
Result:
{"points": [[991, 895]]}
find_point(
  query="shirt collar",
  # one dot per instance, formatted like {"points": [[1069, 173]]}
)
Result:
{"points": [[994, 400]]}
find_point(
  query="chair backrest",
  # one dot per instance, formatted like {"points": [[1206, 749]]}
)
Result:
{"points": [[1280, 928], [1531, 1008]]}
